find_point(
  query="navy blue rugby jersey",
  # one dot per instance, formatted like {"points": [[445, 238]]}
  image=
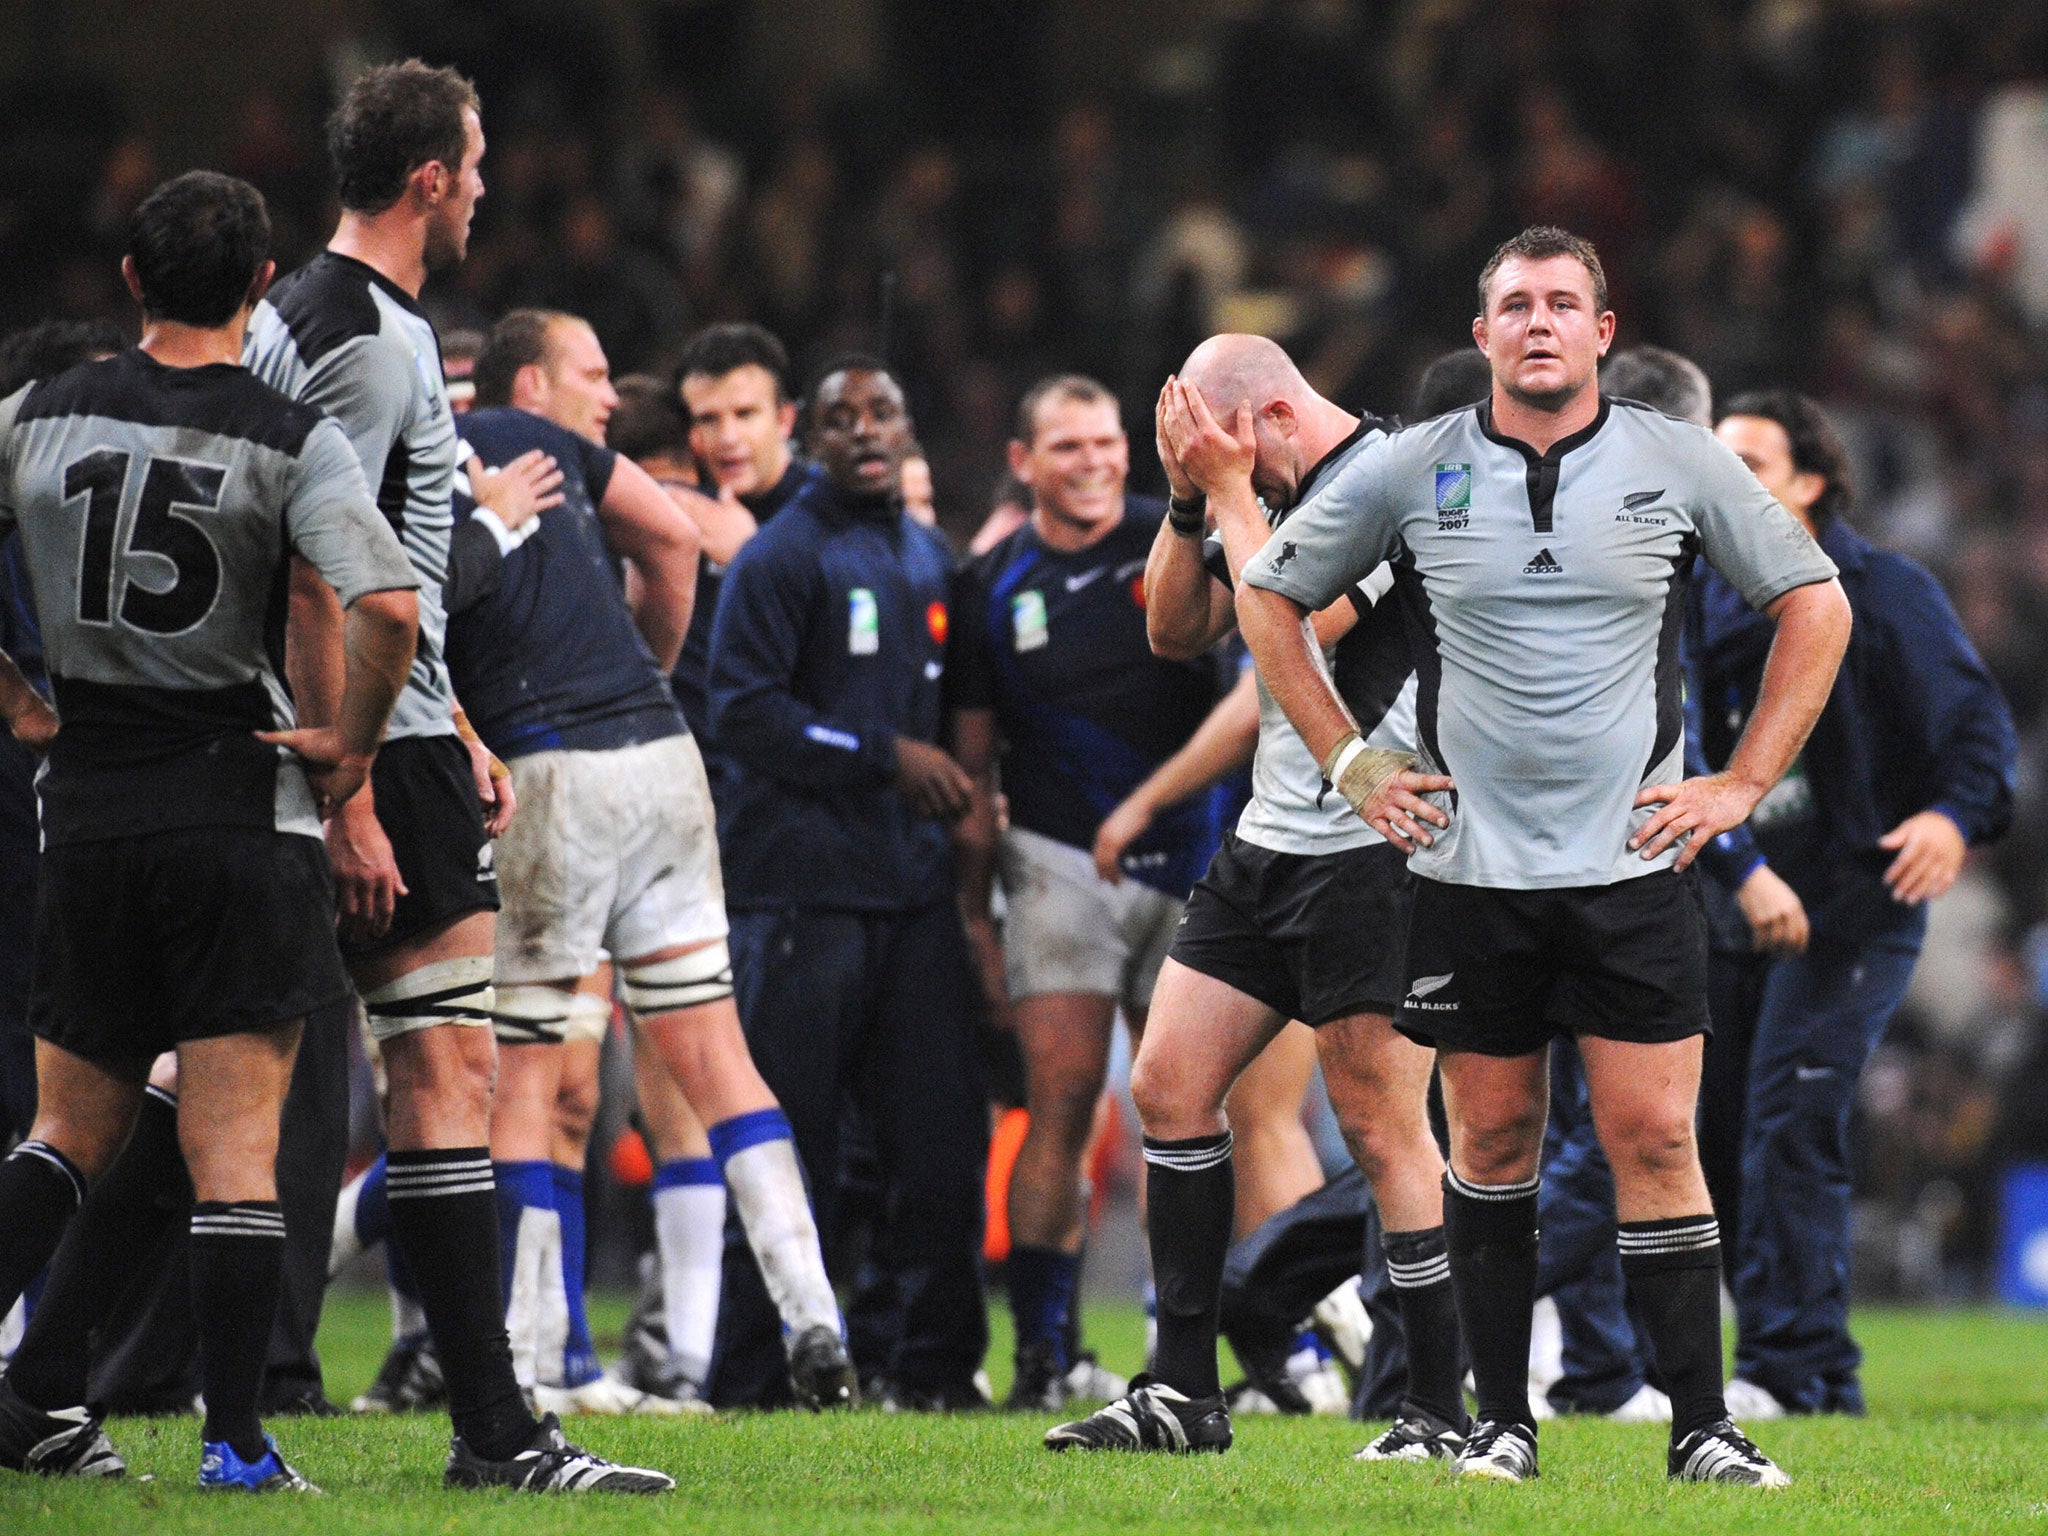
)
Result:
{"points": [[547, 658], [1054, 642]]}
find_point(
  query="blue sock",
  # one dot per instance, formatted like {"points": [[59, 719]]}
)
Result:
{"points": [[1042, 1295], [731, 1137], [373, 1206], [684, 1171], [579, 1354], [520, 1186]]}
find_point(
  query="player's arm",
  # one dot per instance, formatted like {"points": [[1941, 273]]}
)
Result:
{"points": [[1221, 744], [345, 551], [764, 610], [1753, 541], [1955, 716], [379, 630], [28, 714], [974, 838], [1324, 547], [1813, 632], [1187, 609], [495, 518], [650, 531]]}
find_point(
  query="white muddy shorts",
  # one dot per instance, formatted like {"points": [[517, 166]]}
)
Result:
{"points": [[1066, 929], [611, 854]]}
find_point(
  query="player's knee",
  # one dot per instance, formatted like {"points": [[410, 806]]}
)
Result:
{"points": [[1501, 1150], [456, 991], [702, 976], [1655, 1144], [527, 1014], [576, 1109], [1169, 1101]]}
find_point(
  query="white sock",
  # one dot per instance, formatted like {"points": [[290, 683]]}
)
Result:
{"points": [[537, 1259], [768, 1189], [689, 1230]]}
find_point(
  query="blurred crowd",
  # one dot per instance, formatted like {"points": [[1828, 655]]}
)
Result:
{"points": [[1847, 196]]}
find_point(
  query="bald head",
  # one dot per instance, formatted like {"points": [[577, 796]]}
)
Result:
{"points": [[1233, 370], [1292, 425]]}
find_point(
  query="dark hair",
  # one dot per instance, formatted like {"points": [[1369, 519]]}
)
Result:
{"points": [[53, 347], [517, 341], [718, 349], [1816, 446], [395, 119], [1659, 377], [1059, 386], [648, 419], [1540, 242], [1452, 382], [198, 242], [845, 362]]}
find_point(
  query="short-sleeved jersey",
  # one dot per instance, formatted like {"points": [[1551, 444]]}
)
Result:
{"points": [[1054, 643], [342, 337], [1291, 809], [157, 508], [1544, 595], [550, 659]]}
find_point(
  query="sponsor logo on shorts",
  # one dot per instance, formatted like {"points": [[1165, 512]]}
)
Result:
{"points": [[1425, 987], [487, 863]]}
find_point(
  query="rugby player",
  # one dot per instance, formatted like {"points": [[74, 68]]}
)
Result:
{"points": [[615, 852], [1302, 915], [1052, 680], [185, 902], [1541, 543], [413, 857]]}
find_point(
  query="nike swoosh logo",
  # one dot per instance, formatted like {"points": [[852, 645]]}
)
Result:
{"points": [[1076, 583], [1812, 1074]]}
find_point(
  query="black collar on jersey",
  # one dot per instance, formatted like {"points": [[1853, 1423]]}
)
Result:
{"points": [[403, 298], [765, 504], [1543, 467], [1315, 470]]}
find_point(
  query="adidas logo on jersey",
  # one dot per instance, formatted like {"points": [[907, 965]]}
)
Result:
{"points": [[1545, 564]]}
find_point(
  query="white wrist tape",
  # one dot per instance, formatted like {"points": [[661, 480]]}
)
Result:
{"points": [[507, 539], [1347, 754]]}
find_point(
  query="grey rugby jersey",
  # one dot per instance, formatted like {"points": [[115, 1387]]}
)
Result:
{"points": [[1544, 595], [157, 507], [1291, 811], [339, 335]]}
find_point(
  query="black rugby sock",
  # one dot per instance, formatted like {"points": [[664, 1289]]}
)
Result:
{"points": [[1419, 1266], [237, 1259], [141, 1197], [1191, 1202], [444, 1219], [40, 1191], [1490, 1231], [1673, 1267]]}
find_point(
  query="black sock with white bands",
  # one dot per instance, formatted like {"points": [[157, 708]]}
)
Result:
{"points": [[1191, 1194], [40, 1191], [237, 1258], [1673, 1268], [1490, 1230], [135, 1205], [444, 1218], [1419, 1265]]}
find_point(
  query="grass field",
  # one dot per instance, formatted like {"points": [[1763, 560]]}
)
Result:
{"points": [[1959, 1421]]}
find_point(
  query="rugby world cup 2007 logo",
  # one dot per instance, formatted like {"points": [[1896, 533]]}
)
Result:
{"points": [[1453, 497]]}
